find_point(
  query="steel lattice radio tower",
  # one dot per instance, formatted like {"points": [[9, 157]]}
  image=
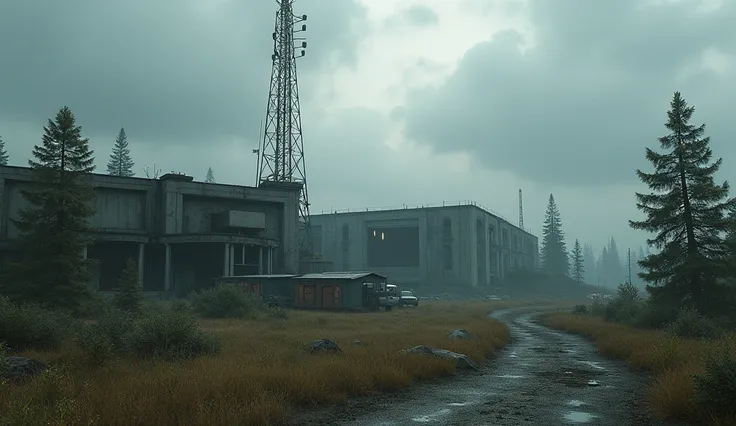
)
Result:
{"points": [[281, 156]]}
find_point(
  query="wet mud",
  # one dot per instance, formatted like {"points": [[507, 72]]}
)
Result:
{"points": [[543, 377]]}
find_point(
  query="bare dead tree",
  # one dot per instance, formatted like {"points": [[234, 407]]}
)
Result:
{"points": [[152, 174]]}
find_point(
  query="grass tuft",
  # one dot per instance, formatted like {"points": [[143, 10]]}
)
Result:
{"points": [[693, 376], [262, 373]]}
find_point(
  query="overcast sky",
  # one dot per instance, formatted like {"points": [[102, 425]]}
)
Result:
{"points": [[404, 102]]}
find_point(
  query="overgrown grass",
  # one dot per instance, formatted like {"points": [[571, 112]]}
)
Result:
{"points": [[262, 374], [695, 378]]}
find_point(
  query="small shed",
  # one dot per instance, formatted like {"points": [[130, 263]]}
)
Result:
{"points": [[276, 285], [337, 290]]}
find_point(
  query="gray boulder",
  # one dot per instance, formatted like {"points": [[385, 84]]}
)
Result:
{"points": [[324, 345], [462, 362], [19, 367], [461, 334]]}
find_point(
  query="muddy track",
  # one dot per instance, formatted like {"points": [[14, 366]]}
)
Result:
{"points": [[543, 377]]}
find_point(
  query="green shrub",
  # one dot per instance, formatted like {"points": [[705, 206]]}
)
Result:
{"points": [[4, 362], [627, 292], [170, 335], [181, 306], [227, 301], [690, 324], [715, 388], [278, 313], [129, 297], [161, 333], [598, 309], [31, 327], [625, 311], [580, 310]]}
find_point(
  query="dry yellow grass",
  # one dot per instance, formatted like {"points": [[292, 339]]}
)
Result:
{"points": [[673, 360], [263, 373]]}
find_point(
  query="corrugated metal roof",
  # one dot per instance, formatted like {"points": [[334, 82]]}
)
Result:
{"points": [[354, 275], [262, 276]]}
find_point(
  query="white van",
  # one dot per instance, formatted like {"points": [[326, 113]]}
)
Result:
{"points": [[391, 299]]}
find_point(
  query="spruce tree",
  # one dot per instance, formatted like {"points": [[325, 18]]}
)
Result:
{"points": [[53, 226], [578, 269], [129, 295], [3, 153], [210, 178], [554, 250], [591, 275], [689, 213], [121, 163]]}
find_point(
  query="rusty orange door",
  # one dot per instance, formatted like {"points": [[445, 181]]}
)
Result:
{"points": [[328, 296], [309, 295]]}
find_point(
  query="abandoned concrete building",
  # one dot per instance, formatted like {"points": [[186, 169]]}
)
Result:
{"points": [[430, 247], [182, 233]]}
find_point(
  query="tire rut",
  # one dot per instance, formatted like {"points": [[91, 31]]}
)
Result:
{"points": [[543, 377]]}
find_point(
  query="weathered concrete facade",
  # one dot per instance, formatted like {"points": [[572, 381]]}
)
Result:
{"points": [[182, 233], [457, 245]]}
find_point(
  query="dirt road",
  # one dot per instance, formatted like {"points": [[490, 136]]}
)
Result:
{"points": [[543, 377]]}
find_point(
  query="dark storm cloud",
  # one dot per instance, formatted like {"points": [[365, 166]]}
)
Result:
{"points": [[580, 107], [183, 71]]}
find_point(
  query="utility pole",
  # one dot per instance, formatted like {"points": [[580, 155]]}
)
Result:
{"points": [[521, 211]]}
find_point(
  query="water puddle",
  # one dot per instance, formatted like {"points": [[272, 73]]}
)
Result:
{"points": [[575, 403], [432, 417], [510, 376], [593, 364], [579, 417]]}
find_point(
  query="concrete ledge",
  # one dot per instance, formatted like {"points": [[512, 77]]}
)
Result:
{"points": [[216, 238]]}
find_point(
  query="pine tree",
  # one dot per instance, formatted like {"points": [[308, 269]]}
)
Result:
{"points": [[210, 178], [602, 262], [688, 212], [129, 295], [121, 163], [578, 268], [54, 269], [591, 275], [3, 153], [554, 250], [614, 267]]}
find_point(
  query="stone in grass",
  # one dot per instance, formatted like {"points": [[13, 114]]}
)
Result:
{"points": [[462, 362], [461, 334], [19, 367], [324, 346]]}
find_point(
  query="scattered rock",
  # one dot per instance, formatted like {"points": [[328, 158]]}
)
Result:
{"points": [[22, 367], [461, 334], [357, 342], [324, 345], [462, 362]]}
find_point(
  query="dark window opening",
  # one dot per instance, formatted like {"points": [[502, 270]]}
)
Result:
{"points": [[389, 247]]}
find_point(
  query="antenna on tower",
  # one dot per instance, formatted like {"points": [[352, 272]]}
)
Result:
{"points": [[521, 211], [282, 149]]}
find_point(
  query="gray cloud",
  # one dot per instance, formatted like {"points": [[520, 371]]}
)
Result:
{"points": [[579, 107], [421, 16], [182, 71]]}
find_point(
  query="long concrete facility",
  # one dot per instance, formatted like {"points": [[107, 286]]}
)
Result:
{"points": [[431, 247], [182, 233]]}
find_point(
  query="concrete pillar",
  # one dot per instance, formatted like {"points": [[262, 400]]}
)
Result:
{"points": [[270, 260], [226, 262], [141, 258], [167, 269], [232, 260], [260, 260]]}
